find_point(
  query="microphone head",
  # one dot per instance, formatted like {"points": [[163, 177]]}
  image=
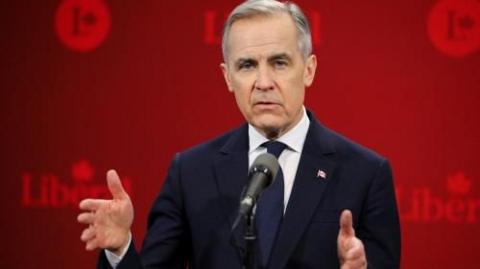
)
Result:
{"points": [[261, 174], [266, 163]]}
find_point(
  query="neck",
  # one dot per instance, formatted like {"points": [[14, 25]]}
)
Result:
{"points": [[273, 133]]}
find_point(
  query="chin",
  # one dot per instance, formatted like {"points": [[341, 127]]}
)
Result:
{"points": [[266, 121], [270, 126]]}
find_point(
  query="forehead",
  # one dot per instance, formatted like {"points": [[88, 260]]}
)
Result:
{"points": [[263, 35]]}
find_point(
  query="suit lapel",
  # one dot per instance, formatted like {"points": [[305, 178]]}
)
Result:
{"points": [[231, 171], [313, 174]]}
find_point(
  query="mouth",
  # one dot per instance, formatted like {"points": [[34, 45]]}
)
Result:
{"points": [[266, 105]]}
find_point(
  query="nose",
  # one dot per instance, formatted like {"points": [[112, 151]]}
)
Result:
{"points": [[264, 80]]}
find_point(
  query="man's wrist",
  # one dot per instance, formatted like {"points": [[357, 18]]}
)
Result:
{"points": [[120, 252]]}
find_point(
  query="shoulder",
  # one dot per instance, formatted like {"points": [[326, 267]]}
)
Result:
{"points": [[233, 140], [347, 147], [339, 148]]}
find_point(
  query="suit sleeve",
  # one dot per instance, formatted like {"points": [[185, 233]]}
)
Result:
{"points": [[166, 244], [379, 226], [131, 259]]}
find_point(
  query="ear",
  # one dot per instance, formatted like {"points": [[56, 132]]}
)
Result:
{"points": [[309, 72], [226, 76]]}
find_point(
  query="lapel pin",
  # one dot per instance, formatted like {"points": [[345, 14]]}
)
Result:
{"points": [[321, 174]]}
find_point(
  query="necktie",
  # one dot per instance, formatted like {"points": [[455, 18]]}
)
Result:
{"points": [[269, 212]]}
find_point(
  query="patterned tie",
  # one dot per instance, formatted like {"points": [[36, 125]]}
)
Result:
{"points": [[269, 212]]}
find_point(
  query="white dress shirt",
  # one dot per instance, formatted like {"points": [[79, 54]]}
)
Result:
{"points": [[114, 259], [288, 160]]}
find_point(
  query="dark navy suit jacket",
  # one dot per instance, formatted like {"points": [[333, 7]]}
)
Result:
{"points": [[190, 221]]}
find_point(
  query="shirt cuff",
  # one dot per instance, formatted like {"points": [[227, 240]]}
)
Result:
{"points": [[113, 259]]}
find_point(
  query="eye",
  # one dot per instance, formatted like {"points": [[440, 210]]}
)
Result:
{"points": [[247, 65], [280, 64]]}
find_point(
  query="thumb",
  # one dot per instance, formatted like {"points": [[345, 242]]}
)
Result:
{"points": [[115, 185], [346, 226]]}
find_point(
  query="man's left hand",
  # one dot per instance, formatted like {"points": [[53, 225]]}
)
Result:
{"points": [[349, 248]]}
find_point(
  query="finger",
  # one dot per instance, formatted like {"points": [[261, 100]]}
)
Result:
{"points": [[86, 218], [91, 245], [91, 204], [115, 185], [346, 224], [87, 234], [356, 264], [356, 252]]}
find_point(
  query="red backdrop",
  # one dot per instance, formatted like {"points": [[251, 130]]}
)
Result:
{"points": [[88, 85]]}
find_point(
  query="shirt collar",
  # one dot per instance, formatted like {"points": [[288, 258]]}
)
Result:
{"points": [[294, 139]]}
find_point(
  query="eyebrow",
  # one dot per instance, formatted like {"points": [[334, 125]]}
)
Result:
{"points": [[244, 60], [270, 59], [280, 56]]}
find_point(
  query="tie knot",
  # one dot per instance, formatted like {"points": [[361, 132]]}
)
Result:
{"points": [[274, 147]]}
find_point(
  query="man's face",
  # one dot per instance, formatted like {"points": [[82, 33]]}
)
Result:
{"points": [[267, 73]]}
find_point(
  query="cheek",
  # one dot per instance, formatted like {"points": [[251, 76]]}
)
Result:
{"points": [[239, 97], [242, 99], [295, 94], [242, 92]]}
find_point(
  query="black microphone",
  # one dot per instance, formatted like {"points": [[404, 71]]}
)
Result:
{"points": [[261, 175]]}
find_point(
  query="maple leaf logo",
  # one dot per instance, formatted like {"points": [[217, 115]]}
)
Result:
{"points": [[90, 19], [82, 171], [459, 184], [466, 22]]}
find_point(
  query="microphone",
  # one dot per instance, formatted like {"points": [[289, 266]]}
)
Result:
{"points": [[261, 175]]}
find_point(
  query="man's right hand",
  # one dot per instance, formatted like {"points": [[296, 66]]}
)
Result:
{"points": [[108, 221]]}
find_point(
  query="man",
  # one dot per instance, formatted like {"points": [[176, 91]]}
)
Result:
{"points": [[267, 66]]}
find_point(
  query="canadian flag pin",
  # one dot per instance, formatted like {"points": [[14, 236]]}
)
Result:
{"points": [[321, 174]]}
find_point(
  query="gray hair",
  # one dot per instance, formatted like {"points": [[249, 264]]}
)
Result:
{"points": [[252, 8]]}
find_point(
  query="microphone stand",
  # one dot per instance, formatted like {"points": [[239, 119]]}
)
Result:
{"points": [[250, 237]]}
